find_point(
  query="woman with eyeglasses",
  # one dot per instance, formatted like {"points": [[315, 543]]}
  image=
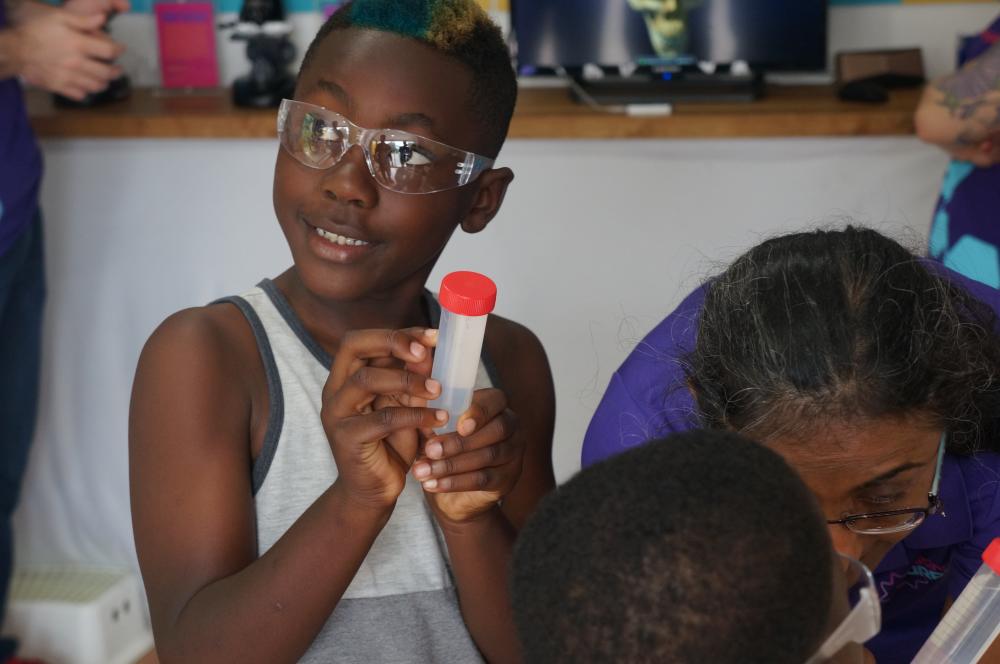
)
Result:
{"points": [[874, 373]]}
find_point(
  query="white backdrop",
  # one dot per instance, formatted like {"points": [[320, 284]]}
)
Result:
{"points": [[596, 242]]}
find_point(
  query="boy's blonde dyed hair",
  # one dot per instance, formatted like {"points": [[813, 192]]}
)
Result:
{"points": [[457, 28]]}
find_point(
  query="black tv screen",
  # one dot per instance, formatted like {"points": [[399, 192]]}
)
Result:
{"points": [[767, 34]]}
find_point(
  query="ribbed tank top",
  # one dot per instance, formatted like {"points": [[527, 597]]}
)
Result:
{"points": [[402, 605]]}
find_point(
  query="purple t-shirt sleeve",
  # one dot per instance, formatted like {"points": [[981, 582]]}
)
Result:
{"points": [[981, 475], [975, 47], [648, 396], [983, 292], [20, 161]]}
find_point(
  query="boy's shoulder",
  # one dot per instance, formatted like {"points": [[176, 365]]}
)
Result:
{"points": [[511, 343], [214, 325], [207, 340], [522, 365]]}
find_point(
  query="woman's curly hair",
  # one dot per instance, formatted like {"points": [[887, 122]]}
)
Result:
{"points": [[812, 328]]}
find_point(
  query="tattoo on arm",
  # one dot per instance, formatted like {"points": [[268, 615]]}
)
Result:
{"points": [[976, 78], [972, 95]]}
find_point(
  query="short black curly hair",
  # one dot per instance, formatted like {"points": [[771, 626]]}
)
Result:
{"points": [[701, 547], [457, 28], [844, 324]]}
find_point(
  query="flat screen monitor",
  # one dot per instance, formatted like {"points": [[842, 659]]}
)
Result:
{"points": [[784, 35]]}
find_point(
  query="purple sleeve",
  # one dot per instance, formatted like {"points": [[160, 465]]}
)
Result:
{"points": [[983, 292], [976, 46], [648, 397], [981, 474]]}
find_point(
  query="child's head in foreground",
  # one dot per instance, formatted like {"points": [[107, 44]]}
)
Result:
{"points": [[702, 547], [399, 111]]}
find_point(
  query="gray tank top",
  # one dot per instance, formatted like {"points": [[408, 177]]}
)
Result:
{"points": [[402, 605]]}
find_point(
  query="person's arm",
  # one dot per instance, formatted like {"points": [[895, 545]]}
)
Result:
{"points": [[211, 598], [960, 112], [503, 458]]}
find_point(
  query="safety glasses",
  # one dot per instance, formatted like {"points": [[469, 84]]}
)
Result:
{"points": [[398, 160], [864, 620]]}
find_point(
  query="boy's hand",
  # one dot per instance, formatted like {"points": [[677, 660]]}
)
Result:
{"points": [[374, 448], [466, 473]]}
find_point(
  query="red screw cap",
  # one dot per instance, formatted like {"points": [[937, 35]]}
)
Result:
{"points": [[991, 556], [468, 294]]}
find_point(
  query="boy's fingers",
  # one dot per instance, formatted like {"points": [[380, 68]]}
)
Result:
{"points": [[359, 347], [359, 390], [384, 422], [501, 427], [486, 405], [428, 337], [486, 479], [487, 457]]}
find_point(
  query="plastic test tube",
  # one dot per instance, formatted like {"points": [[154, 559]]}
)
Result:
{"points": [[973, 621], [466, 298]]}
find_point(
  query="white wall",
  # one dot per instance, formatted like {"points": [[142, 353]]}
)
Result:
{"points": [[933, 27], [596, 242]]}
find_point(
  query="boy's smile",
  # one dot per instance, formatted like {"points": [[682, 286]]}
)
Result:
{"points": [[336, 242], [351, 237]]}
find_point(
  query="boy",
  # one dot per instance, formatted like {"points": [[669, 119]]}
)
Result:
{"points": [[701, 547], [289, 500]]}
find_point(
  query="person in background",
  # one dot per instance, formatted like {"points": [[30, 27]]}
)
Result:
{"points": [[59, 49], [700, 547], [960, 113], [874, 373]]}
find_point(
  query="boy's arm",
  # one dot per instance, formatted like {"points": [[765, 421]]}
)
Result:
{"points": [[960, 112], [480, 547], [211, 598]]}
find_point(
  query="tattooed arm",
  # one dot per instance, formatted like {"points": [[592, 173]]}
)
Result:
{"points": [[960, 112]]}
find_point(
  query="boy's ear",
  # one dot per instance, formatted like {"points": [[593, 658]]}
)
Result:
{"points": [[492, 189]]}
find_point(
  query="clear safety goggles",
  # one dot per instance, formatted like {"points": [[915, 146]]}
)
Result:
{"points": [[864, 619], [398, 160]]}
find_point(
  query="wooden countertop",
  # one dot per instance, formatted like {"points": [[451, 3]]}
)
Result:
{"points": [[542, 113]]}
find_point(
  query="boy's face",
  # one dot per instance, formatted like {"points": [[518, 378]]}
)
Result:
{"points": [[378, 80]]}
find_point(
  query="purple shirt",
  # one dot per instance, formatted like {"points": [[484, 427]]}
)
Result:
{"points": [[647, 398], [20, 161]]}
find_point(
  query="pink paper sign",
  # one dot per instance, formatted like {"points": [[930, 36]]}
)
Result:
{"points": [[187, 44]]}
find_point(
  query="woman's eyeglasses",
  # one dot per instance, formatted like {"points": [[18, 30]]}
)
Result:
{"points": [[398, 160], [896, 521]]}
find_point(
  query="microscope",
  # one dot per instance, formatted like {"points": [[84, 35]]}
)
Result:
{"points": [[263, 27]]}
